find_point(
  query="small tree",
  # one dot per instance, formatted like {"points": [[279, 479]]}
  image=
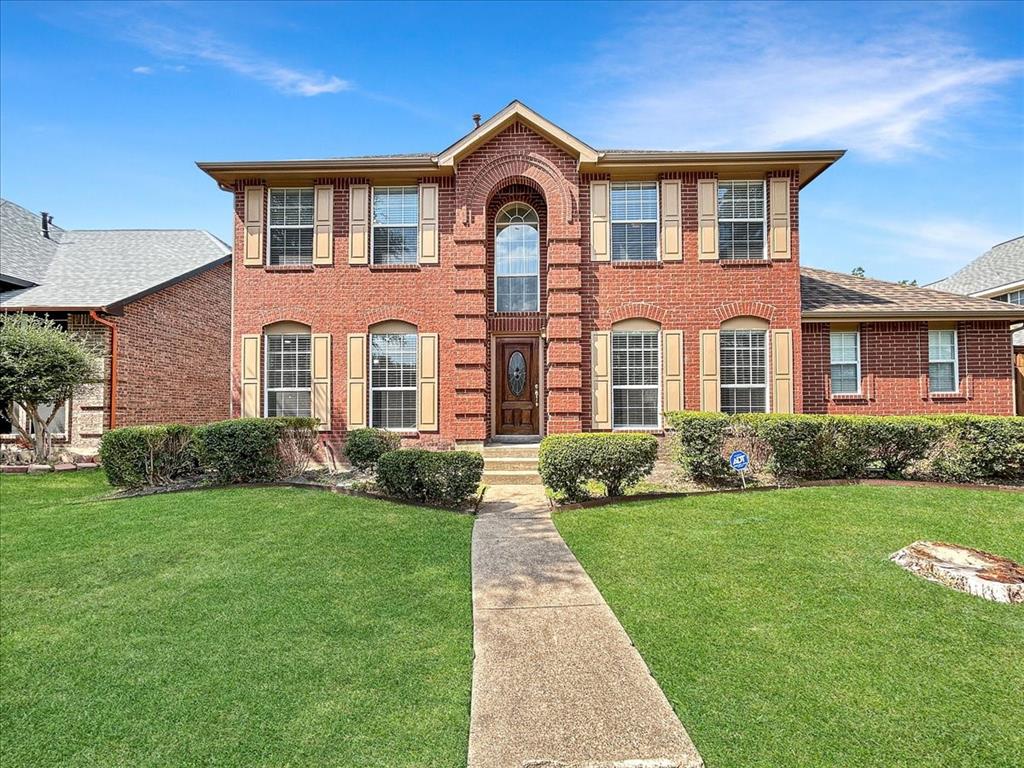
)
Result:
{"points": [[40, 364]]}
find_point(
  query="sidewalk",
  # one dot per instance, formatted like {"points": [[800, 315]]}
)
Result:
{"points": [[556, 681]]}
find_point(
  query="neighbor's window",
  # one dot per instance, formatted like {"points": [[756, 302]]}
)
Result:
{"points": [[517, 259], [636, 373], [634, 221], [845, 362], [744, 371], [942, 361], [741, 221], [1013, 297], [396, 216], [291, 226], [288, 374], [393, 380]]}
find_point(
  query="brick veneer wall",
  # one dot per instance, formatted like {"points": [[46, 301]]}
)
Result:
{"points": [[894, 370]]}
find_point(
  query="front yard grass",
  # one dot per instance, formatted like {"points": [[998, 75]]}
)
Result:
{"points": [[237, 627], [783, 636]]}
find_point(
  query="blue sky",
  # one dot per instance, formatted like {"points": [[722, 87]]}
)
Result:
{"points": [[104, 107]]}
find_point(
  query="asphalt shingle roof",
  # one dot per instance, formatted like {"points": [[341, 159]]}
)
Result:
{"points": [[89, 269], [1000, 265]]}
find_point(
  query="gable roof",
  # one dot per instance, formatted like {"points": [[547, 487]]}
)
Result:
{"points": [[96, 269], [829, 295], [1000, 269]]}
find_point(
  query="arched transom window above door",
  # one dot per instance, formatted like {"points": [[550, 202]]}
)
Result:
{"points": [[517, 259]]}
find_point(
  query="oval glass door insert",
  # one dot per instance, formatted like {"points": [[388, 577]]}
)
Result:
{"points": [[516, 373]]}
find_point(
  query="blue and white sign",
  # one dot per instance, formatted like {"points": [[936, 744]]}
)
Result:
{"points": [[739, 460]]}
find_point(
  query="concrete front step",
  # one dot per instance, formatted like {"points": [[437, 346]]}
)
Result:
{"points": [[503, 463], [511, 477], [509, 451]]}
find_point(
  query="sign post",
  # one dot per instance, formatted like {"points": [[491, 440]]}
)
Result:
{"points": [[740, 462]]}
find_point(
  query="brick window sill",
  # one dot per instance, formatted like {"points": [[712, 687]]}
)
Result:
{"points": [[626, 264], [394, 267], [745, 262], [289, 268], [851, 398], [947, 396]]}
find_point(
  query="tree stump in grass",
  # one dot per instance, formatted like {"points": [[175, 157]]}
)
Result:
{"points": [[983, 574]]}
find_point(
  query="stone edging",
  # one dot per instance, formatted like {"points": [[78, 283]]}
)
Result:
{"points": [[39, 469]]}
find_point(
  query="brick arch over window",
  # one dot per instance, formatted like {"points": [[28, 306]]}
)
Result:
{"points": [[745, 309], [394, 313], [631, 310], [287, 325]]}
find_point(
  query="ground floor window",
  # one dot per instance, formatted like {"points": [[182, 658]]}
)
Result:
{"points": [[942, 362], [393, 380], [744, 370], [845, 371], [58, 426], [636, 373], [289, 380]]}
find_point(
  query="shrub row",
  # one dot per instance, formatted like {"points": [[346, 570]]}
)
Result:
{"points": [[447, 478], [364, 447], [233, 451], [807, 447], [616, 460]]}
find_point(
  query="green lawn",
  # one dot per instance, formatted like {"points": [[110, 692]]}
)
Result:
{"points": [[783, 636], [240, 627]]}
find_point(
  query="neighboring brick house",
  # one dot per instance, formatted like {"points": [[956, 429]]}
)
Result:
{"points": [[520, 283], [155, 302]]}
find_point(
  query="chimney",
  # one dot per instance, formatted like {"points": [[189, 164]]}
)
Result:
{"points": [[47, 221], [476, 121]]}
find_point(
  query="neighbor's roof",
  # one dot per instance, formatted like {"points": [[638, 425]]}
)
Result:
{"points": [[836, 296], [95, 269], [1000, 269]]}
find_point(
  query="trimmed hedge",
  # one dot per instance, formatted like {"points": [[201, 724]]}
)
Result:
{"points": [[134, 457], [364, 447], [617, 460], [251, 450], [447, 478], [980, 448]]}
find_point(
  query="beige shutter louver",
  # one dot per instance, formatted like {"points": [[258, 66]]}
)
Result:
{"points": [[779, 237], [671, 223], [600, 228], [250, 380], [321, 370], [601, 379], [707, 220], [355, 392], [253, 249], [782, 371], [358, 224], [429, 253], [709, 382], [672, 370], [427, 383], [323, 221]]}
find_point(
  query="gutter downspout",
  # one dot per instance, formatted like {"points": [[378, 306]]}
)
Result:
{"points": [[113, 364]]}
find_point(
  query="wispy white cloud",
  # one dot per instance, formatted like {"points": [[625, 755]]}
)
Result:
{"points": [[142, 70]]}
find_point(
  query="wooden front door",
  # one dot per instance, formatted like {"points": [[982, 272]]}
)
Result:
{"points": [[518, 394], [1018, 358]]}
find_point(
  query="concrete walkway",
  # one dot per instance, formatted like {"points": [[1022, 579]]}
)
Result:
{"points": [[556, 681]]}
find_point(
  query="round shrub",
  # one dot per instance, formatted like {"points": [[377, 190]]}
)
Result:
{"points": [[447, 478], [135, 457], [364, 447], [250, 450], [700, 442], [617, 460]]}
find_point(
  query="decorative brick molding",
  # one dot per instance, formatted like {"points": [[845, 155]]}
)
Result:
{"points": [[745, 309]]}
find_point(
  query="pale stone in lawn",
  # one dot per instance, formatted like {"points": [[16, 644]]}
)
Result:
{"points": [[968, 570]]}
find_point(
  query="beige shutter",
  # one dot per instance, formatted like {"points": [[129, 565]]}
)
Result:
{"points": [[426, 384], [253, 255], [782, 371], [600, 228], [358, 224], [672, 370], [251, 394], [709, 383], [428, 224], [323, 232], [355, 394], [707, 220], [779, 223], [671, 227], [321, 370], [601, 378]]}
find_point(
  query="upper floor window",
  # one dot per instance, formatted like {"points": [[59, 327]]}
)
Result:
{"points": [[636, 373], [289, 382], [517, 259], [743, 365], [943, 375], [396, 215], [1013, 297], [741, 220], [393, 380], [291, 226], [845, 371], [634, 221]]}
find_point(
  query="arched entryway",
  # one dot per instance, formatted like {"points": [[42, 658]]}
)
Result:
{"points": [[517, 259]]}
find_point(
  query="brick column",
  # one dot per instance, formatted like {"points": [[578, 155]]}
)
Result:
{"points": [[564, 338], [470, 332]]}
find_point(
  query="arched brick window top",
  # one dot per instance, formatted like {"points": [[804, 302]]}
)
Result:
{"points": [[394, 313], [285, 326], [528, 168], [745, 309], [392, 326], [633, 310], [745, 323]]}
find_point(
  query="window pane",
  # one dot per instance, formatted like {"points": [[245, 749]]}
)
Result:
{"points": [[635, 241], [634, 216], [394, 245], [288, 403], [517, 294], [741, 207], [634, 201], [288, 374], [636, 370], [942, 377], [517, 250], [743, 371], [396, 206], [393, 380], [291, 207], [844, 379], [291, 246]]}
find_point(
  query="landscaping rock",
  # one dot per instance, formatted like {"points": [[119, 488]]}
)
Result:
{"points": [[64, 467], [983, 574], [36, 468], [86, 464], [14, 469]]}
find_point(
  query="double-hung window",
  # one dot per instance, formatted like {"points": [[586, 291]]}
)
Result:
{"points": [[393, 380], [396, 216], [741, 220], [291, 226], [289, 381], [743, 365], [634, 221], [943, 374], [845, 372], [636, 374]]}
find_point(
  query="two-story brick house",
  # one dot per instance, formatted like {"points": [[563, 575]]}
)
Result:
{"points": [[521, 282]]}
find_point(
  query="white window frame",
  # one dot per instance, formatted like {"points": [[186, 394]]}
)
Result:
{"points": [[271, 227], [373, 227], [266, 373], [1011, 295], [763, 219], [370, 389], [658, 366], [767, 369], [656, 221], [524, 274], [955, 361], [856, 363]]}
